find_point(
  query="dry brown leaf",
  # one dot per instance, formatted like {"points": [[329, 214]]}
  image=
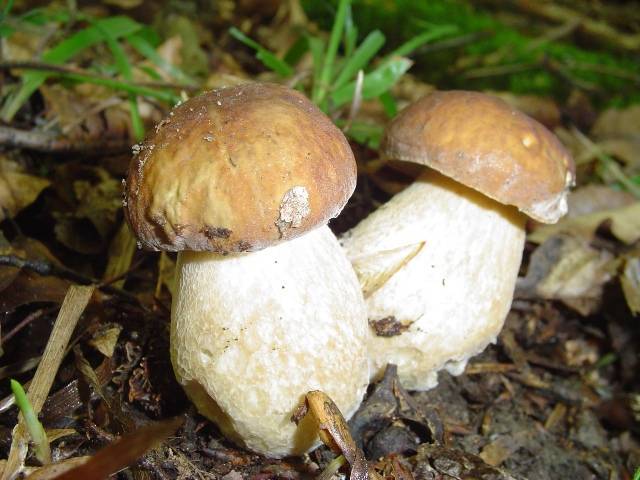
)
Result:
{"points": [[624, 224], [596, 198], [86, 112], [105, 339], [17, 189], [630, 280], [54, 470], [334, 433], [121, 251], [376, 269], [27, 287], [123, 452], [566, 268], [166, 274], [501, 448], [616, 122]]}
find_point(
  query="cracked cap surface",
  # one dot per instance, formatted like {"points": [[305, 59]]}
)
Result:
{"points": [[483, 143], [238, 169]]}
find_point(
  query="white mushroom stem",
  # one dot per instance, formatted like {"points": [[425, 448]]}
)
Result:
{"points": [[438, 265], [252, 333]]}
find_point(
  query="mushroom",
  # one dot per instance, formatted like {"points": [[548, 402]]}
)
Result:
{"points": [[439, 261], [241, 182]]}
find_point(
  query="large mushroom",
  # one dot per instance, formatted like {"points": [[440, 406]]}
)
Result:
{"points": [[242, 182], [439, 261]]}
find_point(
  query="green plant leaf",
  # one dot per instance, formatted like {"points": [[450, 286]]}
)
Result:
{"points": [[265, 56], [146, 49], [35, 428], [375, 83], [124, 67], [360, 58], [350, 34], [160, 94], [389, 104], [296, 51], [330, 53], [316, 47], [412, 44], [369, 134], [64, 51]]}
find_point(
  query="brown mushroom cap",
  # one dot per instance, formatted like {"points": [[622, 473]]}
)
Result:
{"points": [[238, 169], [485, 144]]}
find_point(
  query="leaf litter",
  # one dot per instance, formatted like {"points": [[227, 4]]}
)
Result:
{"points": [[556, 397]]}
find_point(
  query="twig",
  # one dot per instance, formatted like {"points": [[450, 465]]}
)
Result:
{"points": [[45, 268], [498, 70], [44, 142], [595, 29], [74, 304], [61, 69], [24, 322]]}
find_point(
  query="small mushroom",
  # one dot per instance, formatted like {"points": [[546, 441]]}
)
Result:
{"points": [[242, 182], [438, 262]]}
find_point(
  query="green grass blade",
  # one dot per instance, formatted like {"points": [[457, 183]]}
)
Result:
{"points": [[360, 58], [144, 48], [5, 30], [160, 94], [389, 104], [368, 134], [35, 428], [8, 5], [124, 67], [434, 33], [64, 51], [265, 56], [350, 34], [316, 47], [332, 49], [375, 83], [296, 51]]}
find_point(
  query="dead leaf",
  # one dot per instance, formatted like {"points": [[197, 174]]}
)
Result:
{"points": [[86, 112], [335, 434], [566, 268], [376, 269], [166, 274], [616, 122], [54, 470], [444, 462], [99, 201], [121, 251], [17, 189], [29, 287], [501, 448], [624, 224], [123, 452], [596, 198], [105, 339], [193, 59], [630, 280], [94, 200]]}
